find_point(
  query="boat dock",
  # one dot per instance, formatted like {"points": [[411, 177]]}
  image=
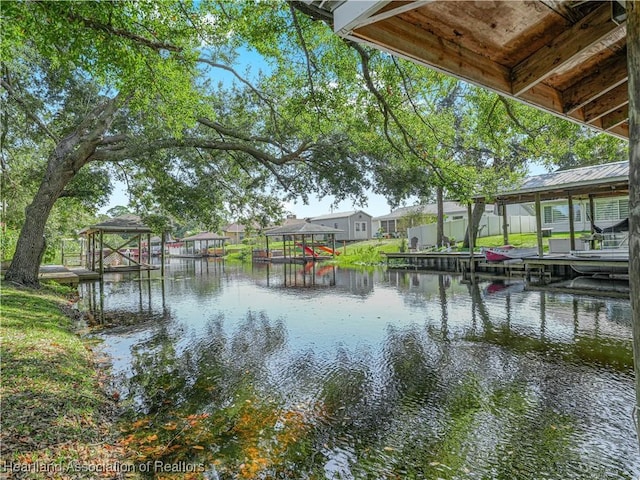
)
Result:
{"points": [[557, 266]]}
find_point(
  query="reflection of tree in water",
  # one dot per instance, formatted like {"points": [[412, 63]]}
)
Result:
{"points": [[426, 409]]}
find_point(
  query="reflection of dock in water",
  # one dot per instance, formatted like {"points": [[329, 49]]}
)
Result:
{"points": [[313, 275]]}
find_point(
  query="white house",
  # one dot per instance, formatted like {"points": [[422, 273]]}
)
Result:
{"points": [[390, 223]]}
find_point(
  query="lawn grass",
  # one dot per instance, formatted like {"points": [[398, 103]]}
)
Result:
{"points": [[522, 240], [55, 411]]}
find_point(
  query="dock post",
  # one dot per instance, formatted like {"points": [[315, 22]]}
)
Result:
{"points": [[162, 241], [539, 226], [572, 228], [633, 62], [472, 262], [101, 251], [505, 225]]}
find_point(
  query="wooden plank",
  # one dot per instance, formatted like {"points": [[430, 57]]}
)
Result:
{"points": [[396, 35], [563, 49], [615, 118], [621, 130], [610, 101], [606, 77]]}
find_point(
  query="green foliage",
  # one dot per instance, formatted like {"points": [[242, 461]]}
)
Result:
{"points": [[322, 116], [8, 240]]}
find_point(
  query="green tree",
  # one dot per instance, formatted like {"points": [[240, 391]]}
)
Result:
{"points": [[188, 146], [135, 86]]}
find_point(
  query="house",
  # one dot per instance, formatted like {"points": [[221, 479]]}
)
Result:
{"points": [[355, 225], [393, 223], [235, 231]]}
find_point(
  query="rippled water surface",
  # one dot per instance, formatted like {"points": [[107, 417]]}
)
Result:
{"points": [[284, 371]]}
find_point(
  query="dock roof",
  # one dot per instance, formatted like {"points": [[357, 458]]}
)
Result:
{"points": [[304, 228], [122, 224], [608, 179]]}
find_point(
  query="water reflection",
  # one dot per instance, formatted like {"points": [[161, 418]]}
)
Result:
{"points": [[412, 376]]}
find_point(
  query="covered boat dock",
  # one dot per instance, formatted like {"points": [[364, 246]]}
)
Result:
{"points": [[128, 255], [204, 244], [591, 183], [300, 244]]}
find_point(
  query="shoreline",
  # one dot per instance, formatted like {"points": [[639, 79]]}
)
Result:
{"points": [[58, 418]]}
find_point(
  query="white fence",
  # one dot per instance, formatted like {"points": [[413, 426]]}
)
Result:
{"points": [[425, 235]]}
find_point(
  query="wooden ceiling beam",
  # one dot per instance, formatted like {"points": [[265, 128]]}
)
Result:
{"points": [[563, 49], [404, 39], [610, 101], [604, 78], [400, 37], [615, 118], [621, 130]]}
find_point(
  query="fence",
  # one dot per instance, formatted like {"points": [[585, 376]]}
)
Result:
{"points": [[425, 235]]}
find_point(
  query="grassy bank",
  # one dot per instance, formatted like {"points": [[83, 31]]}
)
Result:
{"points": [[55, 413]]}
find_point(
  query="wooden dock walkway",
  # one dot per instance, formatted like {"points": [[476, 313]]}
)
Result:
{"points": [[67, 275], [556, 266]]}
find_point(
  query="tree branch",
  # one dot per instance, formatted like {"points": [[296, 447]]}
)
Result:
{"points": [[222, 130], [307, 56], [28, 111], [123, 153], [152, 44]]}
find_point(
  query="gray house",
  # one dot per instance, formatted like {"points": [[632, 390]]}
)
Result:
{"points": [[355, 225]]}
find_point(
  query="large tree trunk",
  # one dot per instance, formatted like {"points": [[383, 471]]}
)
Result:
{"points": [[440, 217], [474, 222], [69, 156], [633, 66], [31, 242]]}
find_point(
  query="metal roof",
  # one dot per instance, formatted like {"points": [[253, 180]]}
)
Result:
{"points": [[302, 229], [204, 236], [595, 180], [121, 224]]}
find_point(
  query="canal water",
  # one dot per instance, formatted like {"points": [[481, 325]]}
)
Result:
{"points": [[286, 371]]}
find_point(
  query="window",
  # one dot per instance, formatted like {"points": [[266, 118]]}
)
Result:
{"points": [[364, 227], [335, 225], [560, 213], [357, 226], [612, 209]]}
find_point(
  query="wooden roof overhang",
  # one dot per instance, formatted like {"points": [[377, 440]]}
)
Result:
{"points": [[566, 57]]}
